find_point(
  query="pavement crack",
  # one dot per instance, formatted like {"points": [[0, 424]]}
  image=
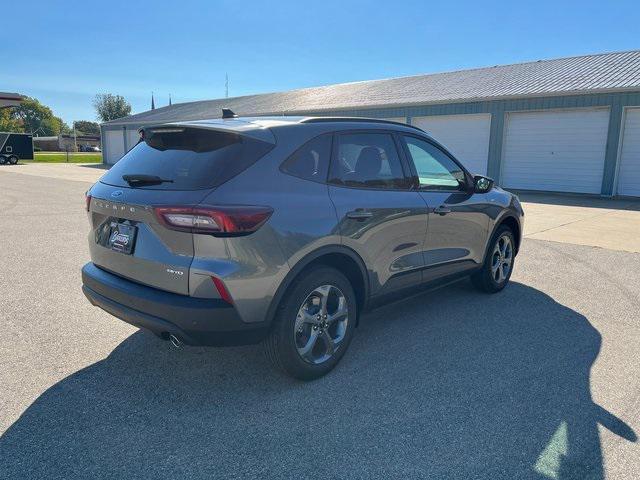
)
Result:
{"points": [[569, 223]]}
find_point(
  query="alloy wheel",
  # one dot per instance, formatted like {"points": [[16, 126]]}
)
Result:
{"points": [[502, 259], [321, 324]]}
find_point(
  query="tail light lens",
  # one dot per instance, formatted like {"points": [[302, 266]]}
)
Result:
{"points": [[219, 221], [87, 201]]}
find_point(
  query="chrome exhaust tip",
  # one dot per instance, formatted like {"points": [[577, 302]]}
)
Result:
{"points": [[175, 341]]}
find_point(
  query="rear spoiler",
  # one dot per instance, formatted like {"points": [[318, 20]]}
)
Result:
{"points": [[239, 127]]}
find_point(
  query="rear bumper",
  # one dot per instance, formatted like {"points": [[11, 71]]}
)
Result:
{"points": [[195, 321]]}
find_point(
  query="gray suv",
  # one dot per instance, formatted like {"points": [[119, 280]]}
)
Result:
{"points": [[284, 230]]}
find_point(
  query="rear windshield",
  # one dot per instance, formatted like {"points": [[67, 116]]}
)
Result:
{"points": [[185, 159]]}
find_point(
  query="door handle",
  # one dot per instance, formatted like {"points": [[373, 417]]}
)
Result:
{"points": [[359, 215], [442, 210]]}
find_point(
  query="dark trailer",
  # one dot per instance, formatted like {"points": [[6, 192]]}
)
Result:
{"points": [[15, 146]]}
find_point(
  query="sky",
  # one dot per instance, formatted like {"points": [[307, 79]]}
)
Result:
{"points": [[69, 51]]}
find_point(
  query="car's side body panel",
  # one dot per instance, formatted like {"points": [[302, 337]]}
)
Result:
{"points": [[397, 245], [459, 235], [302, 222], [390, 241]]}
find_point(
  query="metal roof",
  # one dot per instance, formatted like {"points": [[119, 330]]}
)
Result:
{"points": [[604, 72], [8, 99], [10, 96]]}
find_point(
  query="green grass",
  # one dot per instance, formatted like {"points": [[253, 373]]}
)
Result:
{"points": [[61, 157]]}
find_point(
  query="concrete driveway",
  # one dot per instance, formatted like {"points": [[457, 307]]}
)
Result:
{"points": [[598, 222], [541, 381], [79, 172]]}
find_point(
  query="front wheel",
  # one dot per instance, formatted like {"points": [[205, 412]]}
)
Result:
{"points": [[314, 324], [13, 160], [496, 270]]}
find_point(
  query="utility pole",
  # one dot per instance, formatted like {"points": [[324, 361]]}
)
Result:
{"points": [[226, 85]]}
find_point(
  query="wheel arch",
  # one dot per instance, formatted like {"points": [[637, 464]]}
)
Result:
{"points": [[513, 223], [510, 220], [343, 259]]}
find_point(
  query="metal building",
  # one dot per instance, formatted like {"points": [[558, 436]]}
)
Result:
{"points": [[10, 99], [563, 125]]}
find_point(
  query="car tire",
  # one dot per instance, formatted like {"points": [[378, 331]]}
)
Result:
{"points": [[13, 160], [301, 321], [499, 262], [3, 159]]}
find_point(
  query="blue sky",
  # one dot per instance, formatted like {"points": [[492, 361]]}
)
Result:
{"points": [[69, 51]]}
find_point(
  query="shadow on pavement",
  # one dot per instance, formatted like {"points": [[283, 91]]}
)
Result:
{"points": [[449, 384], [98, 166]]}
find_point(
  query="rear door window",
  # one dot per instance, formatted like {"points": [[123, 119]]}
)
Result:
{"points": [[368, 160], [186, 159]]}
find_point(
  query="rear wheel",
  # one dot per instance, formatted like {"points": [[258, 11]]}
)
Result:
{"points": [[3, 159], [13, 159], [314, 324], [497, 267]]}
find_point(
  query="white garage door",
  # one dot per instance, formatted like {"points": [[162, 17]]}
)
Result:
{"points": [[132, 138], [560, 151], [629, 171], [113, 146], [466, 137]]}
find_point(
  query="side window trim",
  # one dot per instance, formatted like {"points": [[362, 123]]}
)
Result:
{"points": [[415, 179], [407, 163], [399, 150]]}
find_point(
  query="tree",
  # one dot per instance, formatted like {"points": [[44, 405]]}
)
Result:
{"points": [[38, 119], [109, 107], [87, 127], [8, 123], [64, 128]]}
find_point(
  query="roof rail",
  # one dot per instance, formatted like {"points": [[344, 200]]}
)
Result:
{"points": [[357, 119]]}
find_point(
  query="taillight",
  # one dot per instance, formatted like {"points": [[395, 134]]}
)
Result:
{"points": [[87, 201], [220, 221]]}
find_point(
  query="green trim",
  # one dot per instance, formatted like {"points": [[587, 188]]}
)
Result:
{"points": [[611, 154], [496, 136]]}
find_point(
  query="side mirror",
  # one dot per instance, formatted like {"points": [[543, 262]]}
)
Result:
{"points": [[482, 184]]}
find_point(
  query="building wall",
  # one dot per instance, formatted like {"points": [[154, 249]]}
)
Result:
{"points": [[498, 110], [48, 144], [62, 143], [69, 143]]}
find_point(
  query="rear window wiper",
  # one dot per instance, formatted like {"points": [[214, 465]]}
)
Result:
{"points": [[138, 179]]}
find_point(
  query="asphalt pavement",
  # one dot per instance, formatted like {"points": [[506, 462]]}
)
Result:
{"points": [[541, 381]]}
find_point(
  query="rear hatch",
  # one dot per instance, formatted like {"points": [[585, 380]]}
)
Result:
{"points": [[173, 167]]}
